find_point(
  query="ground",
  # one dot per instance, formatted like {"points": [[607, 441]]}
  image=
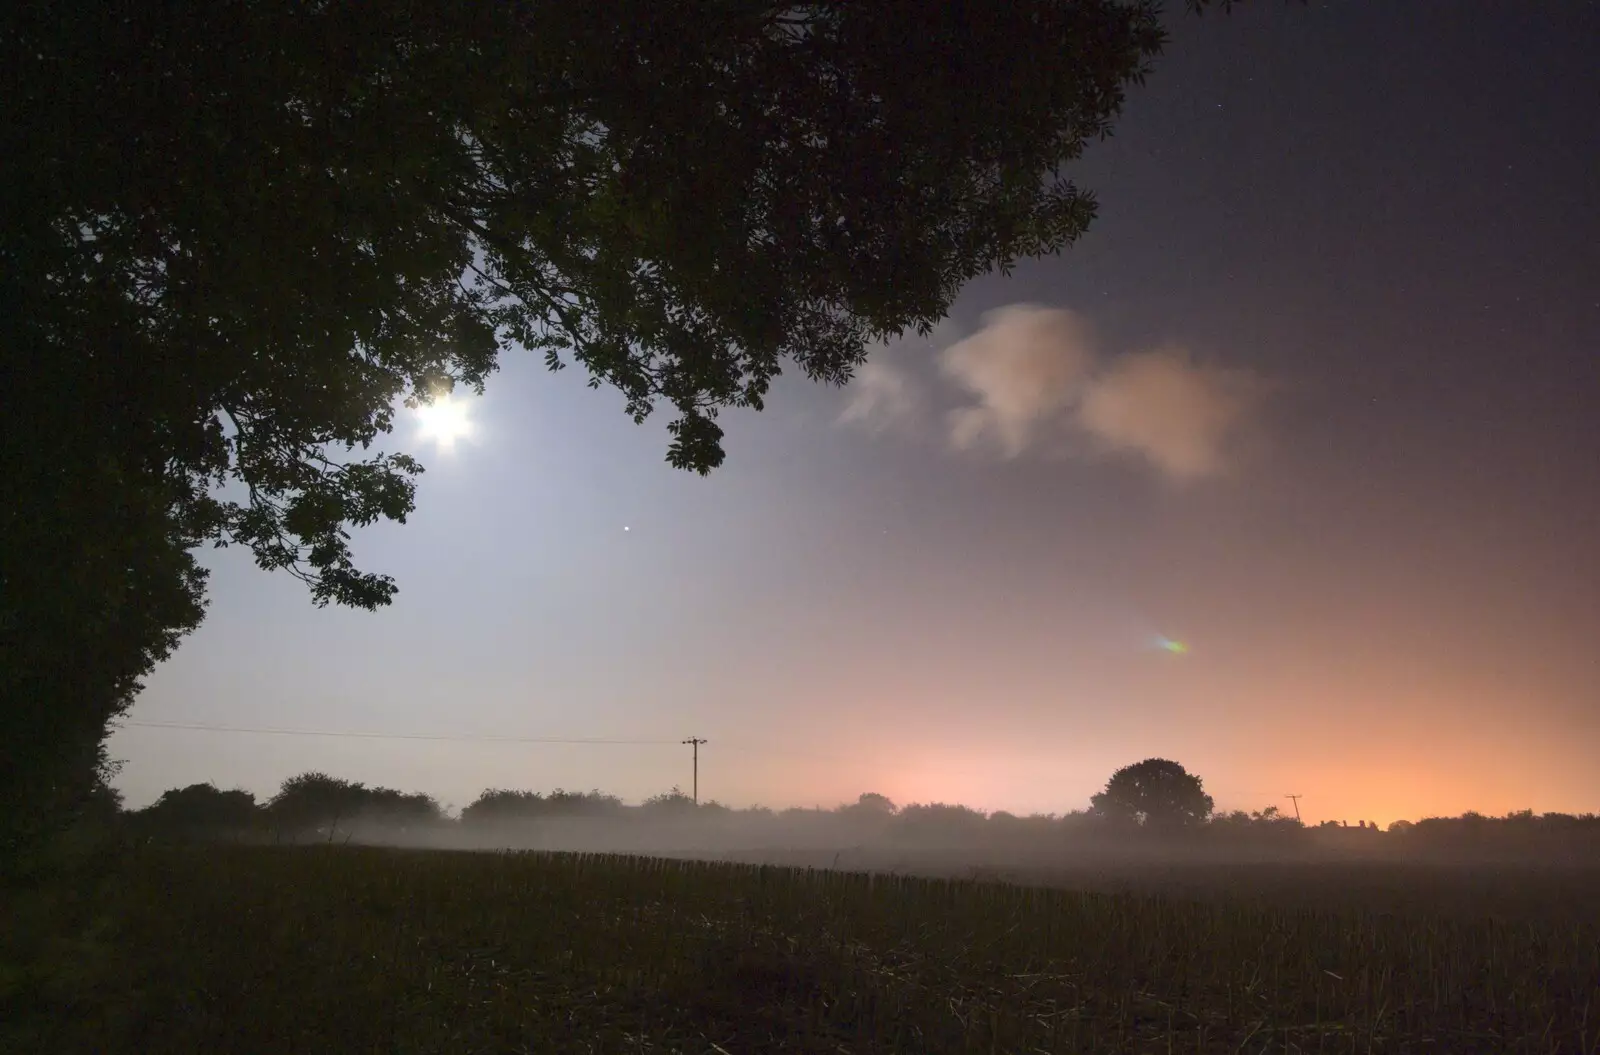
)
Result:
{"points": [[330, 949]]}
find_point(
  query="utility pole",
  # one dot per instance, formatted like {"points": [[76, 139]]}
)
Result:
{"points": [[695, 742], [1296, 799]]}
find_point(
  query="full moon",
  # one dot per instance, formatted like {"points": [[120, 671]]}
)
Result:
{"points": [[444, 421]]}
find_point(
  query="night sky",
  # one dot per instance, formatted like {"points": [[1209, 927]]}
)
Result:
{"points": [[1317, 396]]}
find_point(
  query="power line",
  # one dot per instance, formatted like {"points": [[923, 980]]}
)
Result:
{"points": [[386, 736], [744, 745]]}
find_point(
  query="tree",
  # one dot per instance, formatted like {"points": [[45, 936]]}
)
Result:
{"points": [[870, 806], [672, 803], [199, 809], [938, 820], [593, 803], [499, 804], [1154, 793], [313, 801], [399, 808], [235, 238]]}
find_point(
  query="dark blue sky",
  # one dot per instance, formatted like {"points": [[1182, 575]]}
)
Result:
{"points": [[1382, 216]]}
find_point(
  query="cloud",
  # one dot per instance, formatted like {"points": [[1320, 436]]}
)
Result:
{"points": [[881, 396], [1030, 378], [1177, 413], [1023, 368]]}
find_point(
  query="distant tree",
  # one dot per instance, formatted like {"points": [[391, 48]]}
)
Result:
{"points": [[1154, 793], [870, 806], [234, 237], [1236, 820], [315, 801], [1071, 821], [938, 819], [583, 803], [403, 809], [199, 809], [672, 803], [498, 804]]}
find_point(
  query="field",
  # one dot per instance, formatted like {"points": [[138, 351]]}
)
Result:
{"points": [[373, 950]]}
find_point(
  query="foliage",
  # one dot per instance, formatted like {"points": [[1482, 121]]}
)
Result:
{"points": [[318, 802], [1546, 836], [870, 806], [674, 803], [402, 809], [583, 803], [937, 818], [1154, 793], [318, 949], [199, 809], [1269, 821], [314, 800], [96, 587], [499, 804]]}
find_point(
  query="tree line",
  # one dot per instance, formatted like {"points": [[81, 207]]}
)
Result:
{"points": [[1153, 799]]}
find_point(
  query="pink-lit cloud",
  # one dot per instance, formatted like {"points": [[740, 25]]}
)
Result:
{"points": [[1030, 377], [1162, 405], [1020, 371]]}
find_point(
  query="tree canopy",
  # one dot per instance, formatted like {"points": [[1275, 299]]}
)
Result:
{"points": [[236, 238], [200, 809], [1154, 793]]}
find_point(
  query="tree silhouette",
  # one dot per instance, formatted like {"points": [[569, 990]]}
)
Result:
{"points": [[234, 237], [314, 801], [404, 809], [672, 803], [1154, 793], [594, 803], [938, 820], [870, 806], [199, 809], [498, 804]]}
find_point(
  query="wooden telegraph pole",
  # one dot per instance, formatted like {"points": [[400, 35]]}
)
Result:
{"points": [[695, 742]]}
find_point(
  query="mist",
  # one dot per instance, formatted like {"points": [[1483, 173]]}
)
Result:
{"points": [[953, 841]]}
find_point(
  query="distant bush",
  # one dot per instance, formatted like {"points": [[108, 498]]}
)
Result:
{"points": [[197, 811]]}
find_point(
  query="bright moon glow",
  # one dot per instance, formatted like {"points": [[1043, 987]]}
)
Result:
{"points": [[444, 421]]}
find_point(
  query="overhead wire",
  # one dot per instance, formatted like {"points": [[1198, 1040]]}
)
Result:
{"points": [[266, 730]]}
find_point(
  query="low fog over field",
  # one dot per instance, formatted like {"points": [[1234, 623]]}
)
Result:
{"points": [[1431, 863]]}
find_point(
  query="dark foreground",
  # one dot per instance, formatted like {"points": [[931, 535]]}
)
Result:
{"points": [[345, 950]]}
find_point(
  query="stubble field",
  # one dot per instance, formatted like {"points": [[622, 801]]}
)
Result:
{"points": [[372, 950]]}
